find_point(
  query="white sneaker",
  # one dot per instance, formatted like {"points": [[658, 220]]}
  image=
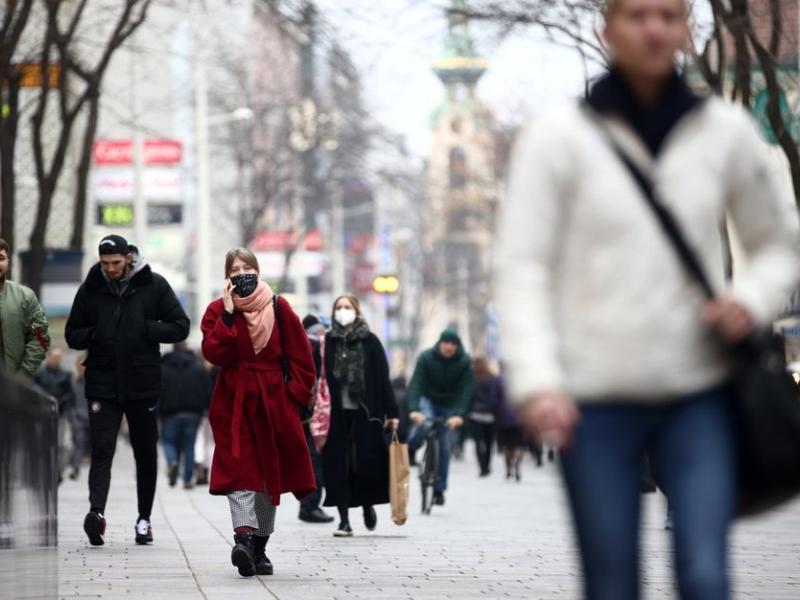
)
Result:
{"points": [[144, 532]]}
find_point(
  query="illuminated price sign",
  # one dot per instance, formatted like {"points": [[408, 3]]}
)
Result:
{"points": [[115, 215]]}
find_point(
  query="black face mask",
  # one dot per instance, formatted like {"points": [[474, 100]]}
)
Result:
{"points": [[245, 284]]}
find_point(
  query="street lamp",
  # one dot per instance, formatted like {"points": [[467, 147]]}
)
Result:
{"points": [[203, 122]]}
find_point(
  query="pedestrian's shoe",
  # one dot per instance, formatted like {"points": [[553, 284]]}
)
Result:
{"points": [[202, 475], [188, 485], [668, 525], [95, 527], [242, 554], [74, 474], [438, 498], [344, 530], [263, 564], [370, 518], [172, 473], [316, 515], [144, 532]]}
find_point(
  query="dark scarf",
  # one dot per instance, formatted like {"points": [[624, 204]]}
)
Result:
{"points": [[611, 94], [348, 361]]}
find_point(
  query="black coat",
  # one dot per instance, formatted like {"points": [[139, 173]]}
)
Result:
{"points": [[367, 482], [185, 384], [122, 334]]}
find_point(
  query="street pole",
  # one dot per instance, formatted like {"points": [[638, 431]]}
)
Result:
{"points": [[337, 246], [139, 201], [203, 190], [306, 217]]}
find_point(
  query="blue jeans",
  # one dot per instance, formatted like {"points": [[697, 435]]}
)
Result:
{"points": [[691, 448], [178, 433], [445, 436]]}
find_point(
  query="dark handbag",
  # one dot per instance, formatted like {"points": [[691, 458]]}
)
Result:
{"points": [[766, 404], [306, 412]]}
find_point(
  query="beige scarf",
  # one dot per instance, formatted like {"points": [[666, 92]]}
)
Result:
{"points": [[259, 314]]}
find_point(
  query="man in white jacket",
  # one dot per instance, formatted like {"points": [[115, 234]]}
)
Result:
{"points": [[612, 350]]}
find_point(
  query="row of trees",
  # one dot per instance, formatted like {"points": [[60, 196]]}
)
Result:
{"points": [[62, 50], [736, 46]]}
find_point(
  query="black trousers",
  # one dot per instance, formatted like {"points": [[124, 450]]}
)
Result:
{"points": [[105, 418], [484, 441], [312, 501]]}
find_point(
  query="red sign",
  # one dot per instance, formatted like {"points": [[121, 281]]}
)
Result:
{"points": [[281, 240], [361, 277], [120, 152], [162, 152]]}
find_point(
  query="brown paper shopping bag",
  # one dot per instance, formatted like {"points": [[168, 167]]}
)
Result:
{"points": [[399, 478]]}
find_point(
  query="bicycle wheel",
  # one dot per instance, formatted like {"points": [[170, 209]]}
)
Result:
{"points": [[430, 461]]}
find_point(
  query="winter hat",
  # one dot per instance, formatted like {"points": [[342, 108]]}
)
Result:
{"points": [[450, 335], [113, 244], [309, 321], [313, 326]]}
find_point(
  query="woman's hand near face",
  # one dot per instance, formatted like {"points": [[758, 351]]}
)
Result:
{"points": [[227, 295]]}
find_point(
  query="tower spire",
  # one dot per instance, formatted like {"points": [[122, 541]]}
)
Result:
{"points": [[460, 63]]}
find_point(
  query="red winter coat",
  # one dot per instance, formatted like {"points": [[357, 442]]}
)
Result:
{"points": [[260, 443]]}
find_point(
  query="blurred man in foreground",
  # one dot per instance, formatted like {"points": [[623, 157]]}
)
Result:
{"points": [[613, 350]]}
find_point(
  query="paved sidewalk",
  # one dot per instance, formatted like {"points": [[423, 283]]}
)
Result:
{"points": [[493, 540]]}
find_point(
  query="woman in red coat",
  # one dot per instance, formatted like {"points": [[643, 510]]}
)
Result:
{"points": [[261, 449]]}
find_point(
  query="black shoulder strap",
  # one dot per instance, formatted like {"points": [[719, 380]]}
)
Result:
{"points": [[666, 219], [287, 374]]}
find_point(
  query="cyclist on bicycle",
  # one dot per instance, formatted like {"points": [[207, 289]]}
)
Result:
{"points": [[440, 387]]}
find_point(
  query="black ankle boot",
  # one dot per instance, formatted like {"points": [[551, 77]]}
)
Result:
{"points": [[263, 564], [242, 554]]}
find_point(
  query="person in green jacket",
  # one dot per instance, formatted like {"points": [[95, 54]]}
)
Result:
{"points": [[24, 339], [441, 387]]}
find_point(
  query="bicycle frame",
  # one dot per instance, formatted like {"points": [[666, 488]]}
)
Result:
{"points": [[430, 463]]}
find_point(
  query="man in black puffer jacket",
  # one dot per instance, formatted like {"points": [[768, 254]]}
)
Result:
{"points": [[186, 394], [121, 314]]}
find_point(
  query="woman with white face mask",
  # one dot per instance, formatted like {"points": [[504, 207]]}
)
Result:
{"points": [[354, 454]]}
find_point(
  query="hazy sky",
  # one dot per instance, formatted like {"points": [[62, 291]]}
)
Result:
{"points": [[394, 42]]}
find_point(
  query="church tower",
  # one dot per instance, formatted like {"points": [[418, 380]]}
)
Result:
{"points": [[462, 191]]}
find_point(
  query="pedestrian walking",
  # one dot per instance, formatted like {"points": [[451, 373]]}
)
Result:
{"points": [[310, 510], [510, 436], [482, 414], [441, 386], [121, 313], [24, 337], [204, 442], [400, 385], [81, 446], [185, 396], [613, 350], [266, 375], [57, 382], [355, 454]]}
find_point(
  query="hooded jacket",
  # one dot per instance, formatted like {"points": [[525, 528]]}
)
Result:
{"points": [[24, 339], [122, 327], [444, 381]]}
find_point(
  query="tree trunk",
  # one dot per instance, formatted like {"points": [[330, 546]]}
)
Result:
{"points": [[8, 179], [34, 275], [779, 126], [84, 167]]}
